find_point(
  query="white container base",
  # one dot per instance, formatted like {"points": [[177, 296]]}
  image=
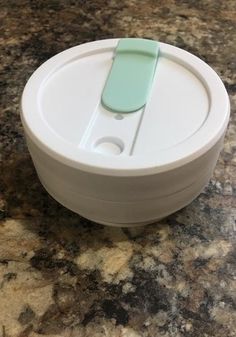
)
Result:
{"points": [[126, 213], [132, 224]]}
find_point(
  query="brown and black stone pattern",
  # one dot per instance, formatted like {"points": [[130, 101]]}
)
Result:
{"points": [[62, 275]]}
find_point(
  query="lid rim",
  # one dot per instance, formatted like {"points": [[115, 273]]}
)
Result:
{"points": [[124, 172]]}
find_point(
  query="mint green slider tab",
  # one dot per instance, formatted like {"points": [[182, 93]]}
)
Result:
{"points": [[131, 76]]}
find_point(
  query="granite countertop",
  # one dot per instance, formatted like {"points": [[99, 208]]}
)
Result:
{"points": [[61, 275]]}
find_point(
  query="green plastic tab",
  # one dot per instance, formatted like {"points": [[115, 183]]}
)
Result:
{"points": [[131, 76]]}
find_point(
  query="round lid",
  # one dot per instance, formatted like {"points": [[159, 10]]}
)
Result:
{"points": [[86, 107]]}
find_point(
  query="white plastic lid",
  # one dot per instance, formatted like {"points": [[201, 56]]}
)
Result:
{"points": [[186, 113]]}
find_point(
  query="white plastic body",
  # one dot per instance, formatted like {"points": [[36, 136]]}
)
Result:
{"points": [[124, 170], [124, 201]]}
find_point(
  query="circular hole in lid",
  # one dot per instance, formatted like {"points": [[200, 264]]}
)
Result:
{"points": [[109, 146]]}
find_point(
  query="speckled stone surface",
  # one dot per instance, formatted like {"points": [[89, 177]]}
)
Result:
{"points": [[61, 275]]}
